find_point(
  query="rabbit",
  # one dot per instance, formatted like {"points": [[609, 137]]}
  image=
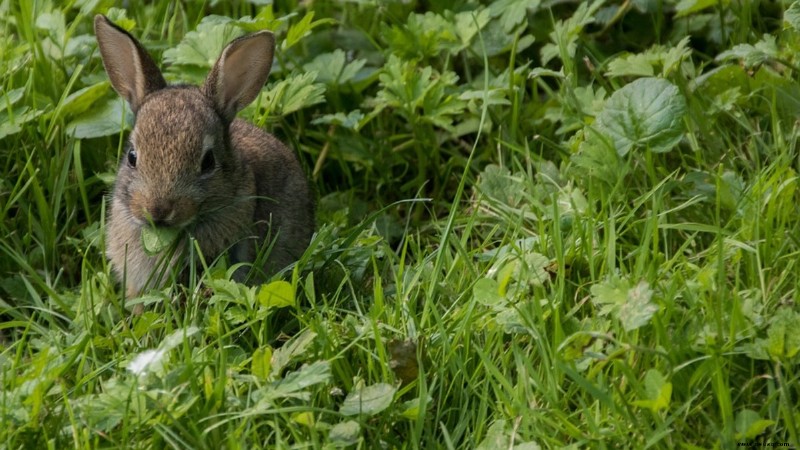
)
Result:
{"points": [[191, 165]]}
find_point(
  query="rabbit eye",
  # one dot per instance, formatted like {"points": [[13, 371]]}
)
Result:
{"points": [[132, 158], [208, 163]]}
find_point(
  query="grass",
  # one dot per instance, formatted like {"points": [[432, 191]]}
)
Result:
{"points": [[541, 224]]}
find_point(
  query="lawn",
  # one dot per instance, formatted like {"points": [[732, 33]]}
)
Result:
{"points": [[540, 224]]}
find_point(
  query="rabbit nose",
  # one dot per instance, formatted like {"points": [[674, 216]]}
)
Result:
{"points": [[161, 213]]}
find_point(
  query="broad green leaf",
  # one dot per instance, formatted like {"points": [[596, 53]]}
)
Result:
{"points": [[495, 40], [527, 446], [262, 362], [498, 183], [672, 57], [576, 345], [759, 349], [423, 35], [644, 64], [83, 99], [294, 383], [564, 37], [234, 314], [469, 23], [294, 93], [304, 418], [750, 425], [351, 121], [411, 409], [295, 348], [227, 291], [54, 24], [157, 239], [571, 202], [12, 123], [368, 400], [654, 383], [302, 29], [520, 270], [80, 46], [118, 398], [11, 97], [687, 7], [439, 106], [610, 293], [332, 68], [658, 392], [591, 101], [203, 46], [109, 118], [792, 15], [752, 55], [512, 12], [629, 304], [178, 337], [264, 20], [731, 189], [783, 335], [511, 321], [497, 437], [718, 80], [486, 292], [639, 65], [518, 266], [278, 294], [430, 34], [120, 18], [345, 433], [647, 113], [13, 117], [403, 85], [637, 309], [419, 94], [491, 97], [533, 267], [597, 159]]}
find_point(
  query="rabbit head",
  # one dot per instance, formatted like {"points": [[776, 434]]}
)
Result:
{"points": [[179, 166]]}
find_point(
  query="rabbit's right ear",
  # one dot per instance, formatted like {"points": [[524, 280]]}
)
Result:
{"points": [[240, 73], [132, 71]]}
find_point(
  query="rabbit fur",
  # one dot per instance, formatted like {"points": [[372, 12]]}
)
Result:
{"points": [[197, 168]]}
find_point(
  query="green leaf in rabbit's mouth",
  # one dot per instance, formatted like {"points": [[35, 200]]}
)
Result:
{"points": [[157, 239]]}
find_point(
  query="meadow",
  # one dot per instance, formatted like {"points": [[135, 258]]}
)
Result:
{"points": [[540, 224]]}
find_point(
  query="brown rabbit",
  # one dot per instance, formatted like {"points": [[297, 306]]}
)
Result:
{"points": [[192, 166]]}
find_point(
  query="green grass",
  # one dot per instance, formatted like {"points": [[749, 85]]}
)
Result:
{"points": [[513, 249]]}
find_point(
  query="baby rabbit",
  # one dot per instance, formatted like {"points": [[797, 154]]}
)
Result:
{"points": [[191, 165]]}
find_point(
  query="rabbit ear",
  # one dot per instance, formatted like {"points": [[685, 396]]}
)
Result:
{"points": [[240, 73], [132, 72]]}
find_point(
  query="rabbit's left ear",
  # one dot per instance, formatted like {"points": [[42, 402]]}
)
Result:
{"points": [[132, 72], [240, 73]]}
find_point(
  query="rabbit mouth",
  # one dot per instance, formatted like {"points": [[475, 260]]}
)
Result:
{"points": [[146, 222], [169, 219], [162, 212], [171, 222]]}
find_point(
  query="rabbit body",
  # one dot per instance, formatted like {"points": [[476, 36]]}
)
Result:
{"points": [[192, 166]]}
